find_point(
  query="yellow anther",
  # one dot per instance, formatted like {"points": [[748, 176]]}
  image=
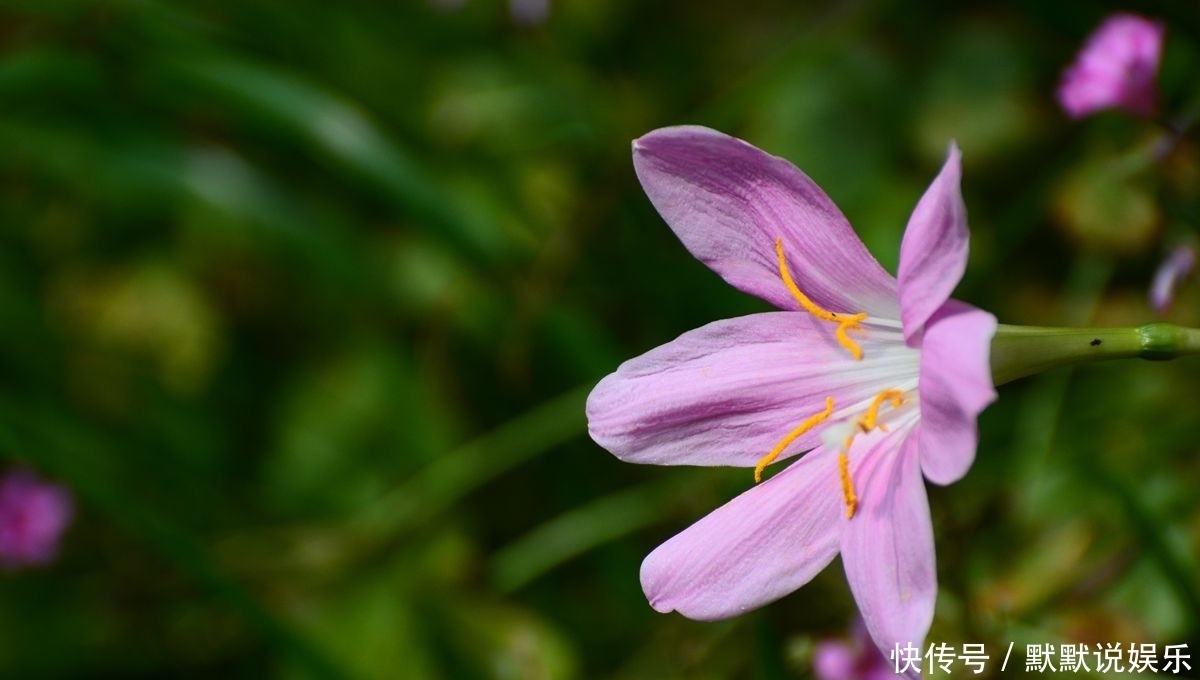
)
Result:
{"points": [[850, 322], [847, 483], [809, 306], [869, 419], [867, 422], [845, 322], [808, 424]]}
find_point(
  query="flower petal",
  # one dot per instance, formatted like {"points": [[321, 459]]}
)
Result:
{"points": [[1115, 69], [1171, 273], [835, 660], [728, 202], [756, 548], [933, 254], [728, 392], [956, 385], [887, 547]]}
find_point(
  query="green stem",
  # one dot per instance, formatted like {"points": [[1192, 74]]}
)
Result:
{"points": [[1019, 351]]}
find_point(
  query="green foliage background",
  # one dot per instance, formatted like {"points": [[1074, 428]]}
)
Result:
{"points": [[303, 301]]}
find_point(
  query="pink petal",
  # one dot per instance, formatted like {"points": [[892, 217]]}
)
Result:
{"points": [[835, 660], [857, 659], [1173, 271], [728, 392], [756, 548], [728, 202], [933, 254], [887, 548], [33, 516], [956, 385]]}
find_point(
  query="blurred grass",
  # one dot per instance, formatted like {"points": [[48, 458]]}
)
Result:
{"points": [[303, 301]]}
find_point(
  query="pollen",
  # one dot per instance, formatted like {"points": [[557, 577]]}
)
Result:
{"points": [[808, 424], [845, 322]]}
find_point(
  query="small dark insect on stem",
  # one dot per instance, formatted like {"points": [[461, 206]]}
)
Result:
{"points": [[1096, 342]]}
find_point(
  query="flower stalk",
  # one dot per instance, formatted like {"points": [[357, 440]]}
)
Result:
{"points": [[1019, 351]]}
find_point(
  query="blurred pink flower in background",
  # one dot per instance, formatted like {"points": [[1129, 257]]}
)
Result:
{"points": [[523, 12], [1115, 69], [529, 12], [855, 658], [1173, 271], [33, 516]]}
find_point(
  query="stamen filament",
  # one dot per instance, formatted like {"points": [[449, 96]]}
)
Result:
{"points": [[847, 483], [845, 322], [808, 424]]}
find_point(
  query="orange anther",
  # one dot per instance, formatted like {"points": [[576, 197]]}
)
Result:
{"points": [[869, 419], [847, 484], [845, 322], [808, 424]]}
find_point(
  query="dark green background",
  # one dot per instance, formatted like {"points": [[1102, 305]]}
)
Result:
{"points": [[303, 301]]}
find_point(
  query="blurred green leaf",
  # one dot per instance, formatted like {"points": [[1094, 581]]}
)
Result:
{"points": [[584, 528], [451, 476], [349, 426], [340, 131], [59, 452]]}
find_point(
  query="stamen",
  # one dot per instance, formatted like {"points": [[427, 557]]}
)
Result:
{"points": [[850, 322], [808, 424], [847, 483], [869, 419], [809, 306], [845, 322]]}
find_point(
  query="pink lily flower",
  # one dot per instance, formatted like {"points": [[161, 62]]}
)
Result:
{"points": [[1115, 69], [880, 380]]}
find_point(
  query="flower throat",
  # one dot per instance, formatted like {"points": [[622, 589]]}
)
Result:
{"points": [[868, 421]]}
